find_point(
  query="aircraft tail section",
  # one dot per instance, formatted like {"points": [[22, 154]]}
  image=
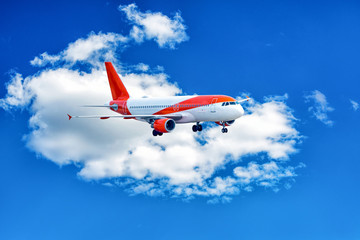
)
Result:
{"points": [[118, 90]]}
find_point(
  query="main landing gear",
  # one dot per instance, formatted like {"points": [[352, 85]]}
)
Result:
{"points": [[197, 127], [156, 133], [224, 129]]}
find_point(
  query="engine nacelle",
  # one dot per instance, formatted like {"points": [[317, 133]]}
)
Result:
{"points": [[164, 125], [227, 123]]}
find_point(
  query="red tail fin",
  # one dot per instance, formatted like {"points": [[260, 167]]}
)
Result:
{"points": [[118, 89]]}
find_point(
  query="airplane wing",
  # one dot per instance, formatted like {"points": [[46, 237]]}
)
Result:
{"points": [[172, 116], [244, 100]]}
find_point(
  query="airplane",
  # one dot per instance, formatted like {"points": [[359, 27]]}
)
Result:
{"points": [[163, 113]]}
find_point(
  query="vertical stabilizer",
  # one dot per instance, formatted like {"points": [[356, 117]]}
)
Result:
{"points": [[118, 90]]}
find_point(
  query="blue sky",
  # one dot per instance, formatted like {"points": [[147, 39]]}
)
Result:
{"points": [[297, 60]]}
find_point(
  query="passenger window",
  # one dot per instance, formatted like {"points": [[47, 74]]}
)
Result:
{"points": [[232, 103]]}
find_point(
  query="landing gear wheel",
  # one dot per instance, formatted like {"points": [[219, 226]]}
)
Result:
{"points": [[195, 128], [224, 130], [199, 128], [155, 133]]}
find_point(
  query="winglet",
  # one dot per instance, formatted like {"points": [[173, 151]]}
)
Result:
{"points": [[247, 98], [69, 116]]}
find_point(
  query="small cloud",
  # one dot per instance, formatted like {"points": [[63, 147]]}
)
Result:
{"points": [[320, 107], [160, 68], [84, 48], [108, 184], [280, 98], [92, 49], [266, 175], [44, 59], [18, 95], [355, 105], [224, 200], [167, 32], [287, 185], [142, 67]]}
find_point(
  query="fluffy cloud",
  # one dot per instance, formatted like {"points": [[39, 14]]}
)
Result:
{"points": [[45, 59], [320, 107], [84, 49], [100, 47], [17, 95], [119, 152], [180, 164], [142, 67], [93, 49], [165, 31], [354, 105]]}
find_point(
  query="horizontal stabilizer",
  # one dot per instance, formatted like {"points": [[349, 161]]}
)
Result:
{"points": [[108, 106]]}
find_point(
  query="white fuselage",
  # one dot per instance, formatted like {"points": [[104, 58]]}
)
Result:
{"points": [[191, 108]]}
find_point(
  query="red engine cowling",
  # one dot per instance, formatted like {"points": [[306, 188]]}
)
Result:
{"points": [[164, 125], [227, 123]]}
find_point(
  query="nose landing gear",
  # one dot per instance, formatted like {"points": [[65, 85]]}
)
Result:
{"points": [[197, 127]]}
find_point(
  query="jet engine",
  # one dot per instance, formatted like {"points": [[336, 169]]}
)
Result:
{"points": [[164, 125]]}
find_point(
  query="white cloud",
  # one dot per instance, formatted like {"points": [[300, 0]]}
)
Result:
{"points": [[354, 105], [94, 49], [177, 163], [17, 95], [83, 49], [124, 153], [266, 174], [142, 67], [320, 107], [45, 59], [100, 47], [165, 31]]}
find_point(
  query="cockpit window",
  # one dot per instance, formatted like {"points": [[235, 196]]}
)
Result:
{"points": [[229, 103]]}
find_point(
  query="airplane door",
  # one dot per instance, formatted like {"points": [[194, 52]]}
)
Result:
{"points": [[212, 106]]}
